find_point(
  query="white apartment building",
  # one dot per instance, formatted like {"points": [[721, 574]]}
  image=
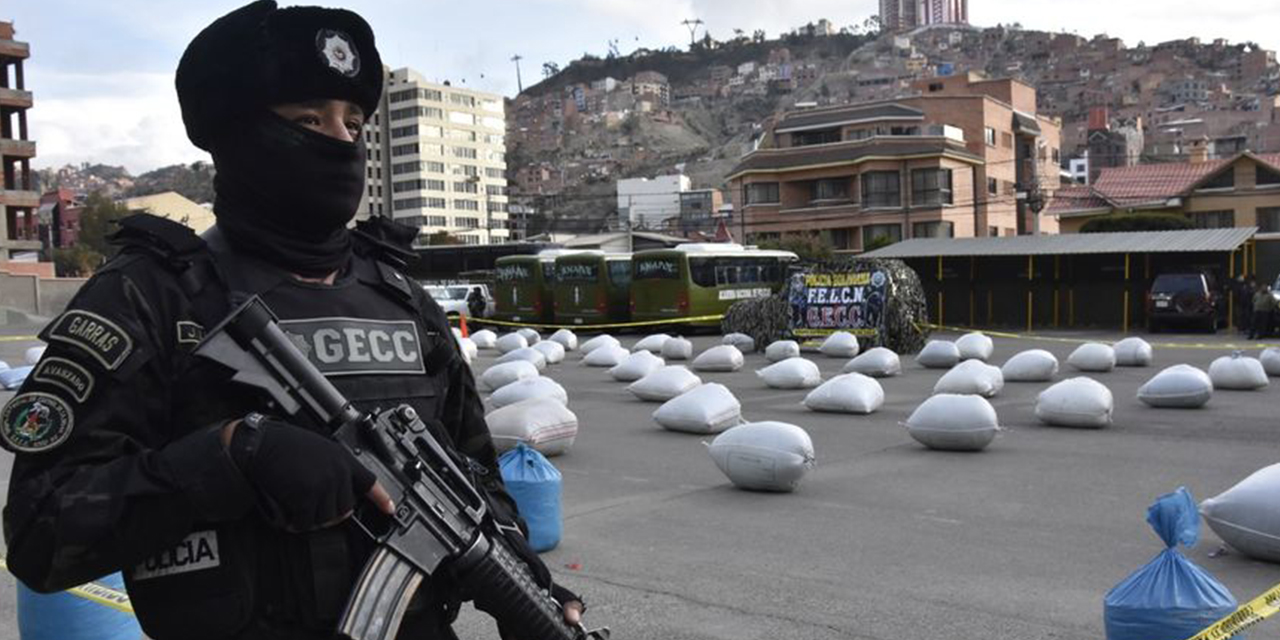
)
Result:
{"points": [[648, 202], [437, 159]]}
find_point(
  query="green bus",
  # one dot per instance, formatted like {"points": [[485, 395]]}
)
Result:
{"points": [[702, 279], [593, 287], [522, 287]]}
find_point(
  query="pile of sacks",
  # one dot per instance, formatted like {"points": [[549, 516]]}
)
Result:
{"points": [[528, 408]]}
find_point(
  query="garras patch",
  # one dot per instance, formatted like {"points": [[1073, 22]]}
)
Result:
{"points": [[66, 375], [96, 335], [355, 346], [34, 422]]}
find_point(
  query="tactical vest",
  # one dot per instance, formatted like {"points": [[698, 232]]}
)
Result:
{"points": [[367, 334]]}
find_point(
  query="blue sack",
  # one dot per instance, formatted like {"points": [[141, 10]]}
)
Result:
{"points": [[1170, 598], [535, 485], [63, 616]]}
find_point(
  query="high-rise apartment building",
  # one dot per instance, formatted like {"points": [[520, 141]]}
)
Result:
{"points": [[437, 160], [18, 198], [905, 15]]}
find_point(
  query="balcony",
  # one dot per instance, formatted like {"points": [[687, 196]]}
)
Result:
{"points": [[15, 98], [17, 148], [23, 199], [14, 49]]}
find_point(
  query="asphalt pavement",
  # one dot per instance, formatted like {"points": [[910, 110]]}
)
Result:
{"points": [[884, 539]]}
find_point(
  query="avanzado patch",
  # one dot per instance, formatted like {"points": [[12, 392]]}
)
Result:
{"points": [[100, 337], [34, 422], [66, 374]]}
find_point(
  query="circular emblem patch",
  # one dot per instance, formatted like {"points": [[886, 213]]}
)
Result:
{"points": [[35, 422], [337, 51], [877, 279]]}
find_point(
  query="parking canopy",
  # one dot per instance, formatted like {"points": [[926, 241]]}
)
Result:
{"points": [[1183, 241]]}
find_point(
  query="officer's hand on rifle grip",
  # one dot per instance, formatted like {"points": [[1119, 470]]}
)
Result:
{"points": [[304, 480]]}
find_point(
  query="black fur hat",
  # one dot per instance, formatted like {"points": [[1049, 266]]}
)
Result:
{"points": [[260, 55]]}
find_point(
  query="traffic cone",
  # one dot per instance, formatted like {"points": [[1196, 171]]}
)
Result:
{"points": [[462, 325]]}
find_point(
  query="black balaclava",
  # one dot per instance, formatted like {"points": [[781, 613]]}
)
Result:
{"points": [[285, 194]]}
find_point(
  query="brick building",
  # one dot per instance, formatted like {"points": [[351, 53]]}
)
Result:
{"points": [[18, 198], [962, 159]]}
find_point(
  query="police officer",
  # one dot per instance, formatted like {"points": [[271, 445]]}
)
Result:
{"points": [[135, 455]]}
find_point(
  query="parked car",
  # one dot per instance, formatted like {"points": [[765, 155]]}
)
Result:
{"points": [[1191, 299], [453, 298]]}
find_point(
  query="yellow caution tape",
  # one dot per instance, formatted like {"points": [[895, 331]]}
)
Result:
{"points": [[99, 593], [1255, 611], [1225, 346], [615, 325], [18, 338]]}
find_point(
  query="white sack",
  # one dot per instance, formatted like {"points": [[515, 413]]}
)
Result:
{"points": [[1076, 402], [763, 456], [840, 344], [742, 341], [1093, 356], [541, 423], [877, 363], [1270, 358], [468, 348], [938, 354], [780, 350], [33, 354], [677, 349], [509, 342], [954, 423], [971, 377], [1181, 386], [566, 339], [1032, 365], [597, 342], [651, 343], [1247, 516], [722, 357], [1237, 372], [1133, 352], [792, 373], [665, 383], [635, 366], [606, 355], [530, 354], [552, 351], [484, 339], [527, 389], [501, 375], [975, 346], [708, 408], [530, 334], [846, 393]]}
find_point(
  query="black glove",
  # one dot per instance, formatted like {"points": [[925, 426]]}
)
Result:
{"points": [[303, 480]]}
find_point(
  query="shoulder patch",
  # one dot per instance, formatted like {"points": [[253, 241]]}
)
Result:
{"points": [[34, 422], [66, 375], [96, 335]]}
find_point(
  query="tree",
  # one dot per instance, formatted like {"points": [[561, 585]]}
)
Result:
{"points": [[811, 247], [878, 242], [1137, 222], [550, 69], [441, 238]]}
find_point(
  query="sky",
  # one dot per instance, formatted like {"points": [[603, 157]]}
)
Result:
{"points": [[102, 72]]}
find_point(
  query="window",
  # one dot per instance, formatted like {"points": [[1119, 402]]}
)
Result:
{"points": [[577, 271], [619, 272], [466, 205], [830, 189], [495, 138], [1224, 180], [401, 96], [467, 223], [437, 221], [1269, 219], [409, 112], [462, 100], [904, 130], [404, 149], [935, 87], [495, 190], [993, 186], [495, 156], [407, 203], [433, 167], [434, 185], [1267, 177], [497, 207], [881, 189], [462, 134], [806, 138], [1057, 156], [458, 117], [465, 170], [993, 232], [989, 136], [434, 113], [405, 167], [762, 193], [466, 187], [860, 134], [408, 185], [843, 238], [1213, 219], [491, 172], [402, 132], [433, 149], [432, 95], [930, 186], [878, 233], [464, 152], [941, 229]]}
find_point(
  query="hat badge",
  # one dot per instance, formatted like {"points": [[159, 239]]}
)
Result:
{"points": [[337, 51]]}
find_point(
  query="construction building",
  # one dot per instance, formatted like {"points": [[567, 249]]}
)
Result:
{"points": [[18, 198], [904, 15], [437, 160]]}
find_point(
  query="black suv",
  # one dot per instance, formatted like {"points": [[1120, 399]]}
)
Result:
{"points": [[1183, 298]]}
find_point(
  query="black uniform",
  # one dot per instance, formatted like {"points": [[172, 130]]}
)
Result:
{"points": [[125, 471]]}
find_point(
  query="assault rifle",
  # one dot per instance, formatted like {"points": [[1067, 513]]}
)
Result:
{"points": [[440, 520]]}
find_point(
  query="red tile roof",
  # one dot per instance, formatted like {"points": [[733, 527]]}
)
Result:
{"points": [[1073, 199], [1143, 184]]}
